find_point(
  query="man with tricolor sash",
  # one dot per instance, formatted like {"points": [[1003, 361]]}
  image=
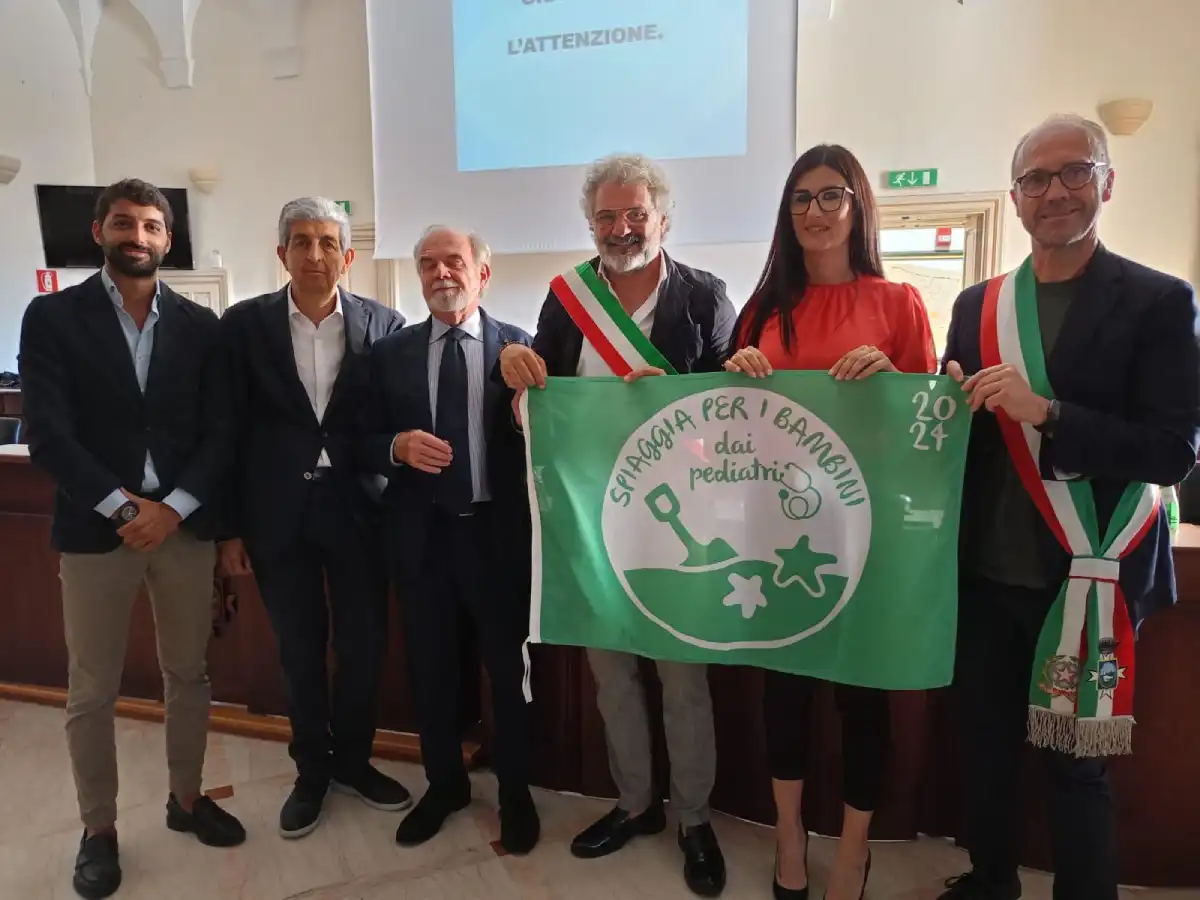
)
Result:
{"points": [[1085, 371], [632, 312]]}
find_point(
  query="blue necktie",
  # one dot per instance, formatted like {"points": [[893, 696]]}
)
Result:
{"points": [[454, 487]]}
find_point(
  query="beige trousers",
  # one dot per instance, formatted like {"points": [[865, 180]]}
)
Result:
{"points": [[98, 593]]}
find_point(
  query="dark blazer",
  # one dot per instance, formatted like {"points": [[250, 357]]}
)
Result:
{"points": [[693, 324], [90, 425], [400, 402], [278, 437], [1126, 370]]}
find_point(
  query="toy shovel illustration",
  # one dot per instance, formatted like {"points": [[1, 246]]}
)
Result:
{"points": [[665, 506]]}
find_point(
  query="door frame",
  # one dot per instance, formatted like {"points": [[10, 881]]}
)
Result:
{"points": [[982, 215]]}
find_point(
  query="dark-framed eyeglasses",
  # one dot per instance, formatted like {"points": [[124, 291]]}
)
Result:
{"points": [[829, 199], [635, 215], [1036, 182]]}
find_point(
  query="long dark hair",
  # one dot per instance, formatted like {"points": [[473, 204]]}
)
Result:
{"points": [[784, 278]]}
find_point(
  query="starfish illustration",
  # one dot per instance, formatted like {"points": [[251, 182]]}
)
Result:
{"points": [[747, 593], [801, 563]]}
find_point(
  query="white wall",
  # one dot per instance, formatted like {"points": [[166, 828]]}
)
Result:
{"points": [[914, 83], [44, 122], [272, 139]]}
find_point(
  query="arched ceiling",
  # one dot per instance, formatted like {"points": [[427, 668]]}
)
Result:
{"points": [[172, 21]]}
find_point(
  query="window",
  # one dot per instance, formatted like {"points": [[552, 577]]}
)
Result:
{"points": [[940, 245]]}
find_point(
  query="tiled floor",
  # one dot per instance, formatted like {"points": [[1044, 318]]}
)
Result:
{"points": [[353, 856]]}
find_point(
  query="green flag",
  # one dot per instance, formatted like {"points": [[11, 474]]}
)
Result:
{"points": [[795, 523]]}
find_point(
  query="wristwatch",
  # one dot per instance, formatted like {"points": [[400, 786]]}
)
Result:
{"points": [[126, 513], [1047, 427]]}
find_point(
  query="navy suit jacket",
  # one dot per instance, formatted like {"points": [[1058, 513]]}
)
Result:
{"points": [[399, 402], [278, 436], [693, 324], [1126, 370], [90, 425]]}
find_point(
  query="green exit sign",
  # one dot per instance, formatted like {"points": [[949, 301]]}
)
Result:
{"points": [[345, 204], [912, 178]]}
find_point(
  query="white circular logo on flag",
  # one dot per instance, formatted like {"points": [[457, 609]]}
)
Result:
{"points": [[737, 519]]}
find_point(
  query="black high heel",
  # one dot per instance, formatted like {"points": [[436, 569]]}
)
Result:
{"points": [[866, 877], [778, 890]]}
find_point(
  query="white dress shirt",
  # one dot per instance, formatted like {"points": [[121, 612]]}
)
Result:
{"points": [[591, 364], [318, 350], [473, 348]]}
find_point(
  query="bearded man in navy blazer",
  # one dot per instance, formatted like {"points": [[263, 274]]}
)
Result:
{"points": [[302, 516], [686, 315], [126, 398], [456, 526], [1122, 408]]}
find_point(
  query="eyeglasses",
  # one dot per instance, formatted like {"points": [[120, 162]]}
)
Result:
{"points": [[1073, 176], [828, 199], [635, 215]]}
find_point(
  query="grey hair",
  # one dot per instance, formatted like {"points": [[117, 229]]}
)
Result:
{"points": [[313, 209], [479, 247], [626, 168], [1094, 131]]}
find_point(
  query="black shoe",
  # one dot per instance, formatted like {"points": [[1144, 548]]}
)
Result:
{"points": [[97, 867], [301, 811], [430, 813], [866, 877], [972, 887], [211, 825], [611, 833], [782, 893], [520, 827], [703, 866], [374, 788]]}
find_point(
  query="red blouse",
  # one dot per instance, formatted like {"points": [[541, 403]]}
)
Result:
{"points": [[833, 319]]}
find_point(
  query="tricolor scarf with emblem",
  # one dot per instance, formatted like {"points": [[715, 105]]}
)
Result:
{"points": [[1081, 692], [591, 304]]}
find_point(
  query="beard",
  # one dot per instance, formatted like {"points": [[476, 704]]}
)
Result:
{"points": [[628, 254], [449, 299], [127, 265]]}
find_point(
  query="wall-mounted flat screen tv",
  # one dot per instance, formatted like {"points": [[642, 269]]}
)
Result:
{"points": [[67, 211]]}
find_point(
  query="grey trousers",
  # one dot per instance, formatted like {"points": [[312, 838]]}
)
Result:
{"points": [[98, 592], [687, 719]]}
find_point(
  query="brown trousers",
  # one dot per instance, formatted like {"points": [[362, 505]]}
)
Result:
{"points": [[98, 593]]}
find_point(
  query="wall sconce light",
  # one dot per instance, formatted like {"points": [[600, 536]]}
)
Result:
{"points": [[1125, 117], [204, 178], [9, 167]]}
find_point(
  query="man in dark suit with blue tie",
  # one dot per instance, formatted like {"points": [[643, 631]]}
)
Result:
{"points": [[456, 525], [302, 515], [1084, 371]]}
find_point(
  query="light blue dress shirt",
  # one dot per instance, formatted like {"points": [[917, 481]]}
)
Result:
{"points": [[141, 345]]}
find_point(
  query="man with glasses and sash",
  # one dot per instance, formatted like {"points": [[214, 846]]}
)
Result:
{"points": [[633, 311], [1085, 371]]}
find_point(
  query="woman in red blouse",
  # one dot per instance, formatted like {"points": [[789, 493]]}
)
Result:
{"points": [[822, 303]]}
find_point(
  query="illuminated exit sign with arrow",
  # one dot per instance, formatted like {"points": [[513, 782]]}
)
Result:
{"points": [[912, 178]]}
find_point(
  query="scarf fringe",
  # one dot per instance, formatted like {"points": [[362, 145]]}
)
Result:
{"points": [[1085, 738]]}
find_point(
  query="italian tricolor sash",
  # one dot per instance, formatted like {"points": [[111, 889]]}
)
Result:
{"points": [[1081, 691], [608, 328]]}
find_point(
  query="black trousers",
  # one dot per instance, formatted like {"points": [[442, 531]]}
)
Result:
{"points": [[332, 731], [461, 582], [866, 734], [998, 628]]}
